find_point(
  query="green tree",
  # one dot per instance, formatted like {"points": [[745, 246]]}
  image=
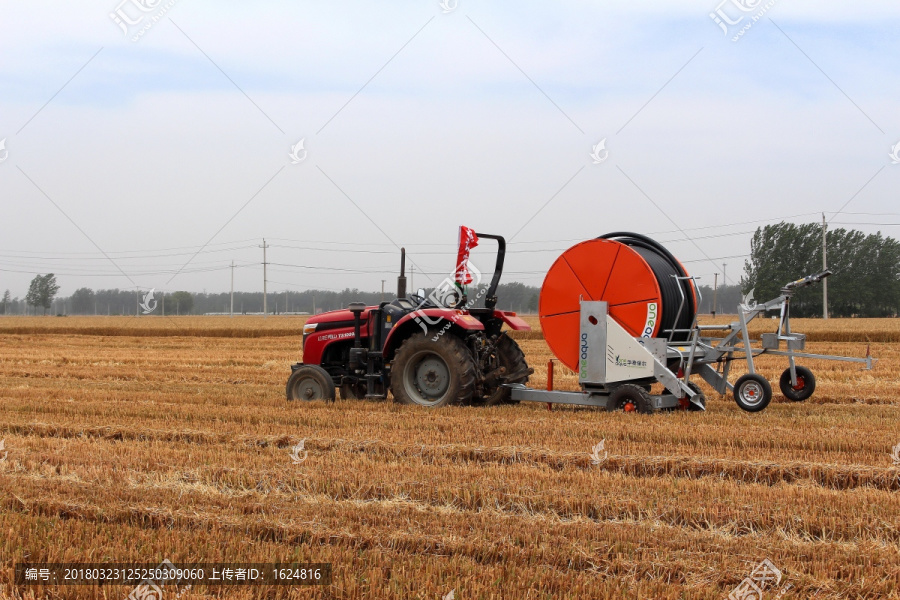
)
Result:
{"points": [[83, 301], [866, 270], [4, 304], [42, 290], [183, 301]]}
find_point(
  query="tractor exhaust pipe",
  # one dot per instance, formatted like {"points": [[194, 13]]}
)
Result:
{"points": [[401, 281]]}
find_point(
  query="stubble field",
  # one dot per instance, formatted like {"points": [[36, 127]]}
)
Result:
{"points": [[143, 439]]}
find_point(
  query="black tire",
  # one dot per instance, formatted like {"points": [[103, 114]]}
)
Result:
{"points": [[629, 398], [806, 384], [752, 392], [353, 391], [433, 373], [310, 382], [511, 357], [701, 397], [358, 391]]}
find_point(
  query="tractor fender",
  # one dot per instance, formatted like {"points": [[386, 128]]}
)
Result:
{"points": [[427, 320], [515, 323]]}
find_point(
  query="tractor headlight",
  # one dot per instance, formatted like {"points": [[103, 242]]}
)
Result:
{"points": [[309, 328]]}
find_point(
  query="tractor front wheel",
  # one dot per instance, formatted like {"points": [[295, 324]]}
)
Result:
{"points": [[353, 391], [310, 382], [433, 373]]}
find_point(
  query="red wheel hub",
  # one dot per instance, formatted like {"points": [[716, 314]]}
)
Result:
{"points": [[801, 383], [629, 407]]}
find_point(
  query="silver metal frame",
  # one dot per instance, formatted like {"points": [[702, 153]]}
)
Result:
{"points": [[596, 383], [718, 351], [702, 354]]}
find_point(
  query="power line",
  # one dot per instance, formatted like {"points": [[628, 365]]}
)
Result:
{"points": [[118, 252], [108, 274], [236, 245]]}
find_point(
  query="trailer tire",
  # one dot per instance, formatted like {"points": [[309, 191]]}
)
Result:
{"points": [[806, 384], [511, 357], [630, 398], [433, 373], [310, 382], [752, 392]]}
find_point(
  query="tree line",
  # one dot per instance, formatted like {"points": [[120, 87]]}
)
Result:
{"points": [[86, 301], [866, 270], [513, 296], [865, 283]]}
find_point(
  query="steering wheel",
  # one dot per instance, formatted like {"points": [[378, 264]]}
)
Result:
{"points": [[416, 299]]}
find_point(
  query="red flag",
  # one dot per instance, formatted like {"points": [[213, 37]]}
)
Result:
{"points": [[468, 239]]}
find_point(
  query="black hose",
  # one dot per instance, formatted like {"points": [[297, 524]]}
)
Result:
{"points": [[665, 267]]}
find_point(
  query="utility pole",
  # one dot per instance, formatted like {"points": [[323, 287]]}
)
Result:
{"points": [[137, 302], [715, 292], [232, 289], [412, 272], [382, 290], [724, 277], [265, 307], [164, 304], [824, 266]]}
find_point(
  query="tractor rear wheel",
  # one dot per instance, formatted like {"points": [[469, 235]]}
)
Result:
{"points": [[310, 382], [510, 357], [630, 398], [433, 373]]}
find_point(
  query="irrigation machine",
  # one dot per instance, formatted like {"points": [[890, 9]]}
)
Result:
{"points": [[619, 310]]}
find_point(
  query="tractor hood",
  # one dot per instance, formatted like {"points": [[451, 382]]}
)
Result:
{"points": [[341, 315], [335, 319]]}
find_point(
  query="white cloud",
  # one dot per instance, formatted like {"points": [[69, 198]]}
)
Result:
{"points": [[152, 147]]}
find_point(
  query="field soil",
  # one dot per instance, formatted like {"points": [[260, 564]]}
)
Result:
{"points": [[141, 439]]}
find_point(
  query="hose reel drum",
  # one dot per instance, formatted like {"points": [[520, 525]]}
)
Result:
{"points": [[648, 291]]}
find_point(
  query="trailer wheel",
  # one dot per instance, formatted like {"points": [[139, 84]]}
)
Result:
{"points": [[752, 392], [513, 359], [310, 382], [630, 398], [433, 373], [806, 384]]}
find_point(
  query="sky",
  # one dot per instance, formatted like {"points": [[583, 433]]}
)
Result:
{"points": [[150, 143]]}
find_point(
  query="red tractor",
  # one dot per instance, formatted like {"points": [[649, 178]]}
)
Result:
{"points": [[431, 351]]}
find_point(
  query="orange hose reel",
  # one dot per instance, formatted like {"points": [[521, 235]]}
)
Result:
{"points": [[601, 269]]}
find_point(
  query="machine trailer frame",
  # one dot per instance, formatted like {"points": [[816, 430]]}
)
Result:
{"points": [[647, 360]]}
